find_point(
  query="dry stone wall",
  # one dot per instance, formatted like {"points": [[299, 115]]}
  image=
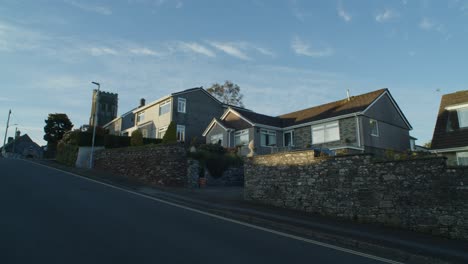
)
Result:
{"points": [[163, 165], [421, 194]]}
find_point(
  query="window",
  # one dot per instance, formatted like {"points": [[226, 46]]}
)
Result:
{"points": [[165, 107], [180, 133], [325, 133], [267, 138], [462, 158], [217, 139], [140, 117], [181, 105], [288, 139], [374, 127], [241, 137], [161, 132], [144, 133], [463, 117]]}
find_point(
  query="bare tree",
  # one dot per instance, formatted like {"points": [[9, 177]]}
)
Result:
{"points": [[228, 93]]}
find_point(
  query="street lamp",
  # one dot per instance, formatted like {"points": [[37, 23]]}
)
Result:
{"points": [[96, 105]]}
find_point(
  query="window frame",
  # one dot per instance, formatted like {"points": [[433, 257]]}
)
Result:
{"points": [[162, 129], [465, 157], [268, 133], [323, 127], [376, 127], [218, 136], [464, 109], [291, 132], [167, 104], [180, 128], [183, 102], [140, 117], [240, 133]]}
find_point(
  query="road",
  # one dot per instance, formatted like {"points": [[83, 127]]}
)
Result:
{"points": [[48, 216]]}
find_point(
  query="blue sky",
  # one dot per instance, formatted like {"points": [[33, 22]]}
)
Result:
{"points": [[285, 55]]}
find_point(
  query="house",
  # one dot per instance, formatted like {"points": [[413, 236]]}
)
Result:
{"points": [[191, 110], [371, 122], [24, 146], [450, 137]]}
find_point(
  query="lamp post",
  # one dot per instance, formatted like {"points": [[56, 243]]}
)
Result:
{"points": [[96, 105]]}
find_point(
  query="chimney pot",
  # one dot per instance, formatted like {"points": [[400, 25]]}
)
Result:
{"points": [[142, 101]]}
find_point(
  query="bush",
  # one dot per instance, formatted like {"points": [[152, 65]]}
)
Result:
{"points": [[137, 138], [67, 153], [214, 158], [171, 134]]}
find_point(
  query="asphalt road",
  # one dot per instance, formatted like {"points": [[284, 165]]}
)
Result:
{"points": [[48, 216]]}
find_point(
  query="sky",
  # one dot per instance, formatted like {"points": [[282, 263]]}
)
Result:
{"points": [[285, 55]]}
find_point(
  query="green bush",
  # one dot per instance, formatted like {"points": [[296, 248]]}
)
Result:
{"points": [[67, 153], [137, 138], [171, 134], [215, 159]]}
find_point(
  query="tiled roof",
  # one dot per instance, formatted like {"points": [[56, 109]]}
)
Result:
{"points": [[260, 119], [443, 139], [342, 107]]}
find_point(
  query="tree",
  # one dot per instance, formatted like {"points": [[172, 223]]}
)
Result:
{"points": [[171, 134], [427, 144], [137, 138], [228, 93], [56, 126]]}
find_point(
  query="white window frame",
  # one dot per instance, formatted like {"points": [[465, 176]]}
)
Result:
{"points": [[376, 127], [181, 105], [291, 132], [240, 134], [181, 130], [214, 139], [462, 155], [162, 130], [323, 127], [164, 104], [140, 117], [268, 133], [459, 110]]}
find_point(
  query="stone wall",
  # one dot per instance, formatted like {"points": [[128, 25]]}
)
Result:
{"points": [[233, 176], [421, 194], [163, 165]]}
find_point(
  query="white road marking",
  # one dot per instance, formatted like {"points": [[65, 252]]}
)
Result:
{"points": [[311, 241]]}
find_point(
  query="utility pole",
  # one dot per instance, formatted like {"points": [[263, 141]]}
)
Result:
{"points": [[6, 131], [95, 123]]}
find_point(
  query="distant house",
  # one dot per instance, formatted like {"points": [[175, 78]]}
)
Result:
{"points": [[370, 122], [24, 146], [191, 110], [451, 131]]}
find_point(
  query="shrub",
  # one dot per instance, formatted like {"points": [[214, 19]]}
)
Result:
{"points": [[137, 138], [67, 153], [214, 158], [171, 134]]}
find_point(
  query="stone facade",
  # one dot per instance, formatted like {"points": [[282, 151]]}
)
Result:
{"points": [[163, 165], [421, 194]]}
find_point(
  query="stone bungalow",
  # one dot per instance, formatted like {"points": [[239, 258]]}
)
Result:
{"points": [[371, 122]]}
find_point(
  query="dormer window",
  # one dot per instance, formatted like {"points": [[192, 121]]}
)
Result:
{"points": [[463, 117], [457, 118]]}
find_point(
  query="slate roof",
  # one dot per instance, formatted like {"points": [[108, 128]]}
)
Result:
{"points": [[442, 138], [260, 118], [342, 107]]}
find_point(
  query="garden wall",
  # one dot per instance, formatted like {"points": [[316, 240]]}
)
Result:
{"points": [[421, 194], [163, 165]]}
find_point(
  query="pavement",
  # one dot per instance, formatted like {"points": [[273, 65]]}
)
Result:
{"points": [[226, 202]]}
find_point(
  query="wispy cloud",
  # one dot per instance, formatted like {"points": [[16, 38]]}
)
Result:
{"points": [[343, 13], [302, 48], [100, 51], [231, 49], [386, 15], [103, 10], [196, 48], [144, 52], [428, 24]]}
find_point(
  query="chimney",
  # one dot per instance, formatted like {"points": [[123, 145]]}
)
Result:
{"points": [[18, 133], [347, 93], [142, 102], [10, 139]]}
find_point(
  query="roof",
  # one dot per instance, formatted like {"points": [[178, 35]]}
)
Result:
{"points": [[20, 142], [260, 118], [356, 104], [442, 138]]}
